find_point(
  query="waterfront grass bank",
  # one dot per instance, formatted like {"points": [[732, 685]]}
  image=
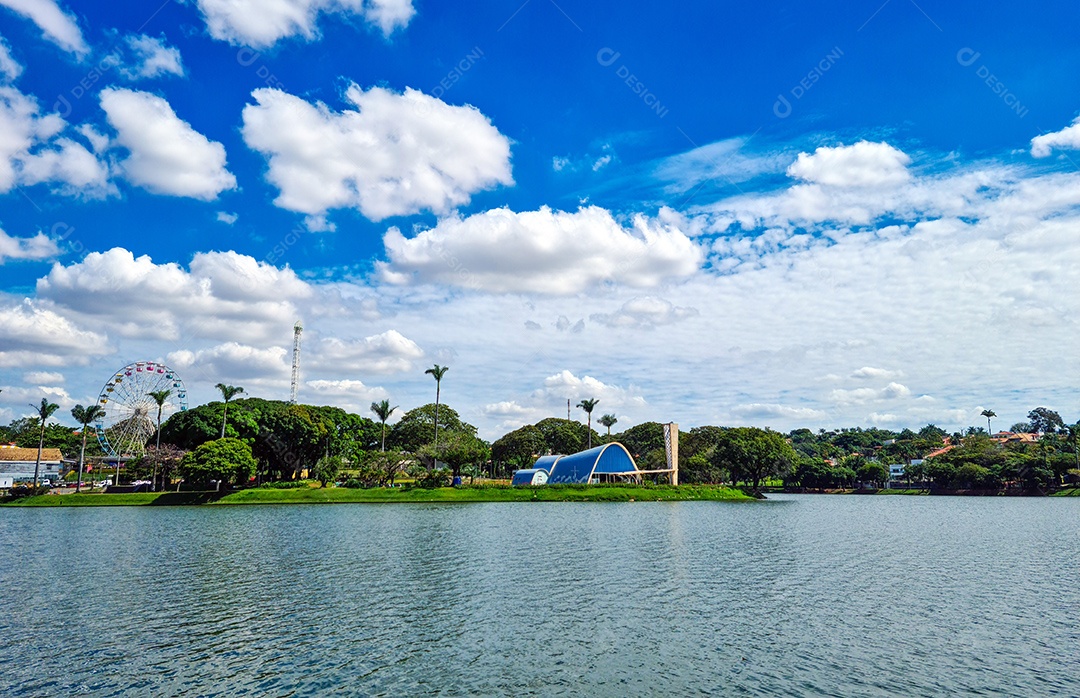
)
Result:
{"points": [[343, 495]]}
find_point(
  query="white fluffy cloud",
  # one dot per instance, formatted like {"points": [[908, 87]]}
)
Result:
{"points": [[38, 336], [541, 251], [755, 412], [1067, 138], [149, 57], [644, 312], [225, 295], [232, 362], [33, 151], [57, 26], [349, 394], [261, 23], [9, 67], [555, 391], [863, 164], [387, 352], [166, 155], [394, 154], [892, 391], [38, 247]]}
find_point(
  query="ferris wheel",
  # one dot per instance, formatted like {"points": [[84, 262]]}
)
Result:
{"points": [[131, 412]]}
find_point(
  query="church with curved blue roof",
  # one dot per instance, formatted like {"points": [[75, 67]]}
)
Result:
{"points": [[607, 463]]}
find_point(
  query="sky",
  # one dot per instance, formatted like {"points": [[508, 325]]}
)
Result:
{"points": [[786, 214]]}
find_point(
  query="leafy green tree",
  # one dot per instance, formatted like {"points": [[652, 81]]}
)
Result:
{"points": [[608, 420], [228, 392], [562, 435], [588, 405], [326, 469], [45, 410], [437, 372], [84, 416], [1044, 421], [642, 438], [751, 454], [519, 448], [458, 449], [416, 427], [225, 460], [383, 410], [872, 472], [382, 467]]}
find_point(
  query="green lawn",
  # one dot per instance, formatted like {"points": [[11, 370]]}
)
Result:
{"points": [[564, 493], [1073, 492]]}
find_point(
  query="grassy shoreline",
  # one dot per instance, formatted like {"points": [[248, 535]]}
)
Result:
{"points": [[341, 495]]}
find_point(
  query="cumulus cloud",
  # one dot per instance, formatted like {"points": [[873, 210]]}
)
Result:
{"points": [[349, 394], [57, 26], [149, 57], [863, 164], [225, 295], [877, 373], [166, 155], [38, 247], [543, 251], [393, 154], [892, 391], [38, 336], [1067, 138], [43, 377], [33, 150], [226, 217], [9, 67], [387, 352], [758, 411], [261, 23], [645, 312], [233, 361]]}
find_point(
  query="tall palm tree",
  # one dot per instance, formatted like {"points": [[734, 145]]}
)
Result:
{"points": [[988, 414], [588, 406], [608, 420], [85, 415], [438, 372], [44, 411], [228, 392], [160, 396], [383, 410]]}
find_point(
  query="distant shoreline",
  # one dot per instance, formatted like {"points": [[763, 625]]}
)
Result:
{"points": [[388, 495]]}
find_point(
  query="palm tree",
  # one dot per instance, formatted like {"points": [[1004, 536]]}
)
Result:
{"points": [[438, 372], [608, 420], [228, 392], [85, 415], [383, 410], [160, 396], [988, 414], [44, 411], [588, 406]]}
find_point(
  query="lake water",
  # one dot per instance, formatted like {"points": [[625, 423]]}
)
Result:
{"points": [[801, 595]]}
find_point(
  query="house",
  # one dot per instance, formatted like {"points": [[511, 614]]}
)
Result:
{"points": [[18, 463]]}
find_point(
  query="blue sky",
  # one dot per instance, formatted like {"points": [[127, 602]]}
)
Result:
{"points": [[839, 214]]}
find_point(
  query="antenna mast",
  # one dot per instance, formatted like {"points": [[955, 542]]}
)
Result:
{"points": [[297, 329]]}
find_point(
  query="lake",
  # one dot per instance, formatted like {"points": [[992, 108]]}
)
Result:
{"points": [[800, 595]]}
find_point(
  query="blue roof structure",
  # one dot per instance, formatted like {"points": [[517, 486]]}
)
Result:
{"points": [[532, 476], [581, 468]]}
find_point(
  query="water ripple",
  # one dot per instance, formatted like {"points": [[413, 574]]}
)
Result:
{"points": [[854, 596]]}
